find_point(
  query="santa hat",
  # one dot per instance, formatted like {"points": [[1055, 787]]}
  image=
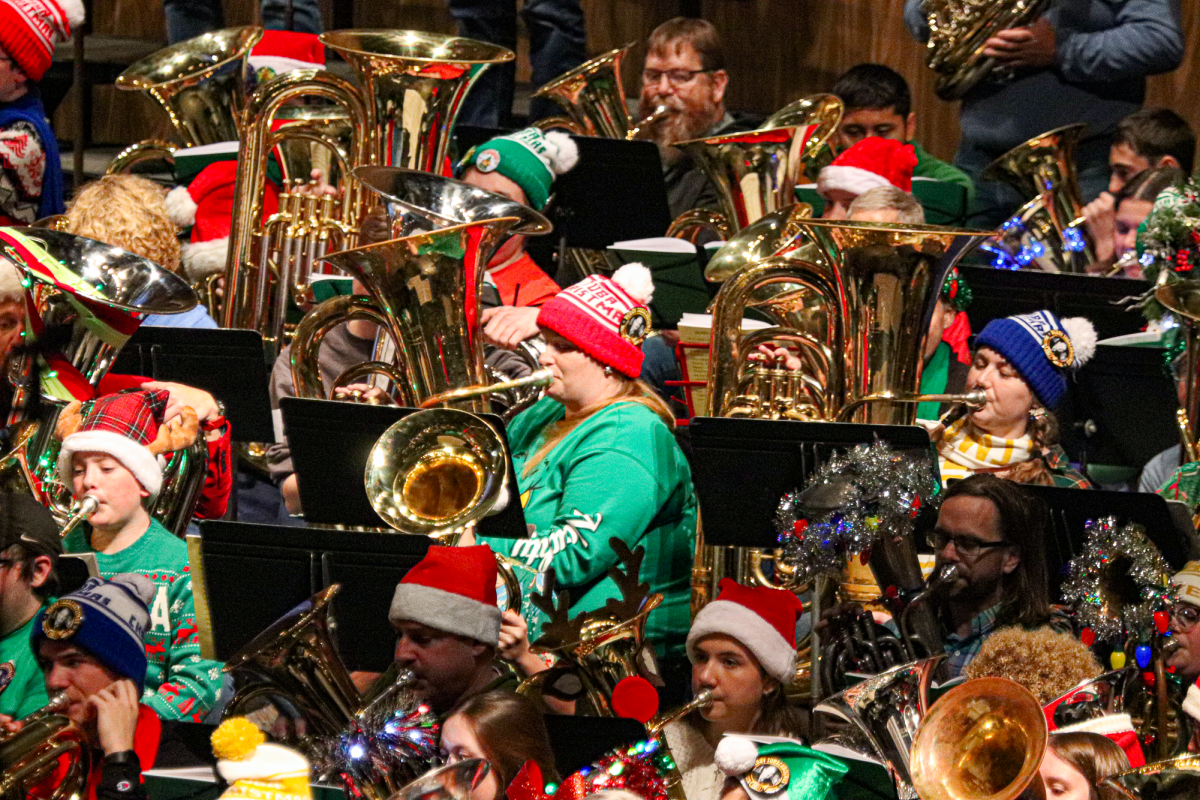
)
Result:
{"points": [[1043, 348], [778, 770], [607, 318], [762, 619], [530, 158], [869, 164], [1119, 728], [255, 768], [206, 204], [29, 30], [122, 425], [278, 52], [452, 589]]}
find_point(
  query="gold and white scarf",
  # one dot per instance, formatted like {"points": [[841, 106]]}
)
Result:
{"points": [[965, 450]]}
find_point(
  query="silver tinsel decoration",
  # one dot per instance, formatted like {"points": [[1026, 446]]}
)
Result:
{"points": [[848, 503], [1118, 582]]}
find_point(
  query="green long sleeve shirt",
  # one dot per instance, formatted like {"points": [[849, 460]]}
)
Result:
{"points": [[22, 687], [180, 685], [938, 170], [619, 473]]}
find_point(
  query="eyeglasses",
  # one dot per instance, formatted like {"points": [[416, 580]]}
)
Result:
{"points": [[675, 77], [1186, 615], [967, 546]]}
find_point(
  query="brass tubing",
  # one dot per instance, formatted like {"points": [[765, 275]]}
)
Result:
{"points": [[541, 377]]}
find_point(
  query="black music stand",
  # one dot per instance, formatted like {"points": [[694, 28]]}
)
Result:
{"points": [[330, 442], [228, 364], [1003, 293], [254, 574], [742, 467], [1168, 525], [578, 742]]}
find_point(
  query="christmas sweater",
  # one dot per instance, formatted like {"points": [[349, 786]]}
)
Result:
{"points": [[620, 474], [22, 686], [180, 684]]}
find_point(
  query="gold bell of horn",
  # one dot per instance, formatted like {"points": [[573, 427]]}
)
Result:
{"points": [[48, 744], [982, 740], [593, 97]]}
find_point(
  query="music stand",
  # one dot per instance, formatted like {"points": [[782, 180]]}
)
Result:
{"points": [[228, 364], [1002, 293], [578, 742], [1072, 509], [330, 442], [281, 567], [742, 467]]}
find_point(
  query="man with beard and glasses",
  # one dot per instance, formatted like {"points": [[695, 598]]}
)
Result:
{"points": [[685, 72], [992, 531]]}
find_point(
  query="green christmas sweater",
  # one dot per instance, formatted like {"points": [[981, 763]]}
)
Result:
{"points": [[620, 474], [180, 685], [22, 687]]}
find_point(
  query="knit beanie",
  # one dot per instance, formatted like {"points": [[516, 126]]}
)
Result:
{"points": [[868, 164], [530, 158], [1187, 583], [29, 30], [107, 618], [452, 589], [607, 318], [278, 52], [762, 619], [122, 425], [1043, 348], [255, 768], [778, 770]]}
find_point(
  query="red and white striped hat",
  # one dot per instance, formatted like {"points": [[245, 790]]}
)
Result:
{"points": [[607, 318], [29, 30]]}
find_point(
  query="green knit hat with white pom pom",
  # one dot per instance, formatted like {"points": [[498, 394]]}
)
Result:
{"points": [[529, 158]]}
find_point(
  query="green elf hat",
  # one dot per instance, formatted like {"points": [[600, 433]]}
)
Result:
{"points": [[774, 768], [530, 158]]}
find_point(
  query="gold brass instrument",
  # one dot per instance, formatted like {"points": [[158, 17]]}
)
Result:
{"points": [[1047, 232], [48, 744], [1173, 778], [401, 112], [451, 782], [886, 711], [201, 83], [958, 31], [1182, 298], [673, 779], [982, 740], [84, 300], [593, 96]]}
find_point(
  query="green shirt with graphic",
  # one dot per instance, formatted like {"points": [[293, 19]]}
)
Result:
{"points": [[180, 685], [619, 473], [22, 688]]}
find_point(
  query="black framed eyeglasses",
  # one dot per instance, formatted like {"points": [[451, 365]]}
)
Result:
{"points": [[675, 77], [967, 546], [1186, 615]]}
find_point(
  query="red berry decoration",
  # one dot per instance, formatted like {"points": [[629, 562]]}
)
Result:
{"points": [[1088, 637]]}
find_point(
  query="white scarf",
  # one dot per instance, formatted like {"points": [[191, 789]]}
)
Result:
{"points": [[964, 450]]}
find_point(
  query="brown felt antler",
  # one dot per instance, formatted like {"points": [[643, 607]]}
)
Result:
{"points": [[69, 420], [177, 434]]}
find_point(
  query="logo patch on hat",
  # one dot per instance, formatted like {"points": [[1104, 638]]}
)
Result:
{"points": [[7, 671], [635, 325], [769, 775], [1058, 348], [62, 619], [487, 160]]}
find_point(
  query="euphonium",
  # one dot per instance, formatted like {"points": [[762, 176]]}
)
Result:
{"points": [[1047, 232], [593, 96], [84, 299], [201, 83], [411, 86], [982, 740], [958, 31], [48, 744]]}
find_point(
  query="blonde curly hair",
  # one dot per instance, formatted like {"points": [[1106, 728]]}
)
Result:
{"points": [[1044, 662], [128, 212]]}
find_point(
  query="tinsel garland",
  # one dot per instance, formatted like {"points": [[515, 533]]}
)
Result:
{"points": [[1118, 582], [1170, 240], [848, 503], [641, 768], [385, 747]]}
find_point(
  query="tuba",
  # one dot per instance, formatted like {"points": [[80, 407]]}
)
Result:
{"points": [[983, 740], [410, 88], [201, 83], [958, 30], [593, 96], [1047, 232], [1182, 298], [49, 745], [84, 299]]}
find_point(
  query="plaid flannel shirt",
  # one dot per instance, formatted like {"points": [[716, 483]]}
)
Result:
{"points": [[961, 649], [1062, 473]]}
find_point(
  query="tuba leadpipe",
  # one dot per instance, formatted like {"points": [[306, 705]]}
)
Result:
{"points": [[79, 514]]}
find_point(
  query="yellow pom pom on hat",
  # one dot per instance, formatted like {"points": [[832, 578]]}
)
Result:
{"points": [[256, 769]]}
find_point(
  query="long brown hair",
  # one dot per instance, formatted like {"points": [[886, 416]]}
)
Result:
{"points": [[511, 731], [1093, 756], [632, 391], [1043, 434]]}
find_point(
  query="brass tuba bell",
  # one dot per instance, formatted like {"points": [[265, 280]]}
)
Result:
{"points": [[1182, 298], [593, 97]]}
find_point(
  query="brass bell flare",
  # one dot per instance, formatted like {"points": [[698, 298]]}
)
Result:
{"points": [[593, 96], [451, 782], [774, 234]]}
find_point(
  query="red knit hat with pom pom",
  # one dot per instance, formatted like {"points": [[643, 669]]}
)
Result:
{"points": [[607, 318], [869, 164], [29, 30]]}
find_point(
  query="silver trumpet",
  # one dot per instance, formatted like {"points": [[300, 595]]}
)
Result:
{"points": [[79, 514]]}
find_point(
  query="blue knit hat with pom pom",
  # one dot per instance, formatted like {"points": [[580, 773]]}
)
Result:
{"points": [[1043, 348]]}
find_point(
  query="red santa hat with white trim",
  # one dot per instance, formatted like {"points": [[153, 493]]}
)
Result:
{"points": [[29, 30], [452, 589], [278, 52], [869, 164], [763, 620]]}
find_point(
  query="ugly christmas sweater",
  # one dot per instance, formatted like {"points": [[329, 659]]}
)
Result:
{"points": [[620, 474], [179, 684]]}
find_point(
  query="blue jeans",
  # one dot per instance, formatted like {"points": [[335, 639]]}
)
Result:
{"points": [[557, 43], [187, 19]]}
